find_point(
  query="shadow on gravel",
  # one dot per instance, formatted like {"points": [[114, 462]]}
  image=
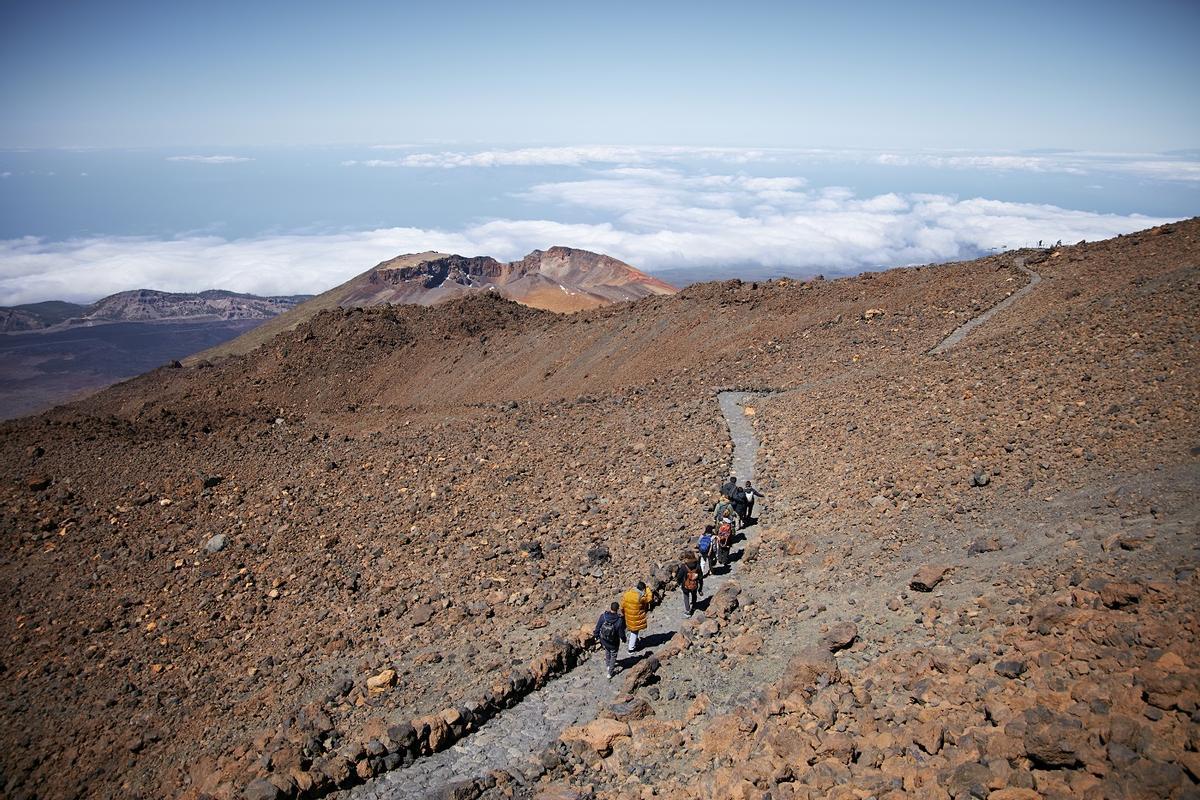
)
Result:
{"points": [[655, 639]]}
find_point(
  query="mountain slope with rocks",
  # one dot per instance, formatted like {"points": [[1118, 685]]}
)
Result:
{"points": [[281, 573]]}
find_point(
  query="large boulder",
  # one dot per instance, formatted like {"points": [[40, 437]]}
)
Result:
{"points": [[1053, 740], [597, 735], [807, 668]]}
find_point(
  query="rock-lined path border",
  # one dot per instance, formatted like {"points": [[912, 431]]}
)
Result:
{"points": [[513, 740], [961, 331]]}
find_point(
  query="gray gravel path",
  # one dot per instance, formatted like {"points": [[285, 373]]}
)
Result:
{"points": [[960, 333]]}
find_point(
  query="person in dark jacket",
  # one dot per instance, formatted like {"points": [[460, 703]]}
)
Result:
{"points": [[751, 493], [728, 486], [741, 506], [690, 578], [610, 630]]}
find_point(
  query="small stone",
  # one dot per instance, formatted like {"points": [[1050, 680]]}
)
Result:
{"points": [[928, 577], [1011, 669], [629, 710], [597, 735], [261, 789], [640, 674], [840, 636], [746, 644], [378, 684], [216, 544], [1118, 594], [984, 544]]}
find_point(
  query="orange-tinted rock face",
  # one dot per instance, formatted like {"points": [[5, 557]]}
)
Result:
{"points": [[559, 279]]}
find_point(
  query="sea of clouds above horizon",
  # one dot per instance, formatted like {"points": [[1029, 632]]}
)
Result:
{"points": [[654, 207]]}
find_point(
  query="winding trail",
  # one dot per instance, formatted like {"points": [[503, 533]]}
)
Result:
{"points": [[514, 739], [961, 331]]}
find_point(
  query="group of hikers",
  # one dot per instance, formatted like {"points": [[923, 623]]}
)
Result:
{"points": [[628, 618]]}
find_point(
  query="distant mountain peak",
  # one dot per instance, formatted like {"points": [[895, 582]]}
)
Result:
{"points": [[560, 279], [583, 279]]}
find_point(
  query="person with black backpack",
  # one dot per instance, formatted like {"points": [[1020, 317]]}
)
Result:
{"points": [[610, 630], [690, 578], [741, 505]]}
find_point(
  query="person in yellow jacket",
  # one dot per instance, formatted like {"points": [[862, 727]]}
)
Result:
{"points": [[636, 604]]}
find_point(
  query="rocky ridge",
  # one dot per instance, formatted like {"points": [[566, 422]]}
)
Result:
{"points": [[146, 305]]}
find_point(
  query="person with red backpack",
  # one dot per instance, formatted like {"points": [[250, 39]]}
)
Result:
{"points": [[725, 519], [690, 578]]}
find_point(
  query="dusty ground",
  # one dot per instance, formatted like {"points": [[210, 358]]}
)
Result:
{"points": [[429, 490]]}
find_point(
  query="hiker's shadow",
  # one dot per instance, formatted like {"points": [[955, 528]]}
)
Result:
{"points": [[702, 602], [655, 639]]}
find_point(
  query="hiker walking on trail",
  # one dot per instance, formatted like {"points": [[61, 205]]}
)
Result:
{"points": [[741, 506], [636, 605], [706, 548], [691, 580], [728, 486], [751, 493], [726, 524], [723, 512], [610, 630]]}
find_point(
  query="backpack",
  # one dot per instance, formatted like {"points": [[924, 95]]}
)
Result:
{"points": [[725, 532], [706, 544], [692, 580], [608, 630]]}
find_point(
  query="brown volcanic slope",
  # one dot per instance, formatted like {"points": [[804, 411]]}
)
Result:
{"points": [[438, 490], [560, 279]]}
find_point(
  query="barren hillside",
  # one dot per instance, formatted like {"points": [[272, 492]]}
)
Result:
{"points": [[205, 565]]}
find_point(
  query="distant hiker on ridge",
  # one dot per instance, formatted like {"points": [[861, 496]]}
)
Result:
{"points": [[636, 605], [691, 580], [610, 630]]}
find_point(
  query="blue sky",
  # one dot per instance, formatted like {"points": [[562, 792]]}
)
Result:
{"points": [[281, 148], [1079, 75]]}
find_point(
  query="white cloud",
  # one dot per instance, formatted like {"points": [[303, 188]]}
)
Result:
{"points": [[1070, 163], [573, 156], [652, 218], [211, 159], [1142, 165]]}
